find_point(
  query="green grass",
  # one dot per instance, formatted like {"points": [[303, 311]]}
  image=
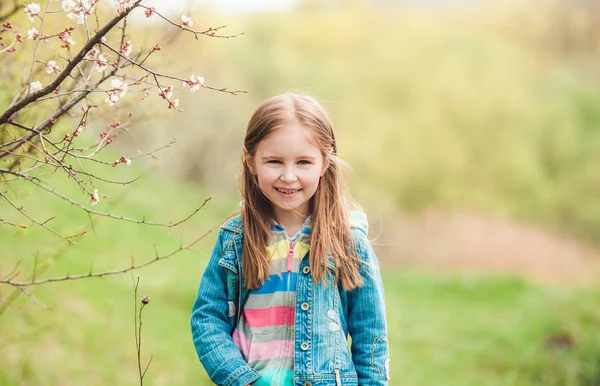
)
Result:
{"points": [[453, 329]]}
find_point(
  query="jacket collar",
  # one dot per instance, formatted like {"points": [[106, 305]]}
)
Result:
{"points": [[358, 220]]}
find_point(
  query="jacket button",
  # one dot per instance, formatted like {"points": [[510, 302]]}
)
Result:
{"points": [[304, 346], [307, 384], [304, 306], [306, 271]]}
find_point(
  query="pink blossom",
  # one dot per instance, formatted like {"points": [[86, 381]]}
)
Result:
{"points": [[91, 54], [123, 160], [101, 63], [112, 98], [32, 10], [65, 36], [186, 21], [33, 34], [167, 92], [79, 10], [34, 86], [174, 103], [119, 87], [95, 198], [51, 67], [149, 11], [126, 50], [19, 37], [123, 5], [194, 82]]}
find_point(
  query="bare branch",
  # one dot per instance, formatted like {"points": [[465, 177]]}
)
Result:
{"points": [[111, 272], [37, 181], [42, 224], [211, 32]]}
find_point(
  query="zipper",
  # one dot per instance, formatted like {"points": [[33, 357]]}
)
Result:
{"points": [[290, 257], [338, 380]]}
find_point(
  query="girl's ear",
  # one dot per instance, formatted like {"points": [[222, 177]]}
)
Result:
{"points": [[247, 159]]}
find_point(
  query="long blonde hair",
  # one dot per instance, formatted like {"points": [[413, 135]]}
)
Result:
{"points": [[329, 206]]}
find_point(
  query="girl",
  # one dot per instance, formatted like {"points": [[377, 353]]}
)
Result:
{"points": [[293, 275]]}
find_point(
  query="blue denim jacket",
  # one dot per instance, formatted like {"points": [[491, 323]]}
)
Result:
{"points": [[322, 356]]}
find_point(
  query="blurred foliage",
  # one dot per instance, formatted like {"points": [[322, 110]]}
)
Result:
{"points": [[495, 108]]}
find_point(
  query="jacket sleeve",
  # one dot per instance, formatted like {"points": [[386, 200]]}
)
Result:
{"points": [[211, 327], [367, 319]]}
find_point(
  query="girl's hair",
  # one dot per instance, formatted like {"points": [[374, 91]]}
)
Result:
{"points": [[329, 205]]}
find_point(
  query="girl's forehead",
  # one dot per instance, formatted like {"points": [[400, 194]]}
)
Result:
{"points": [[290, 137]]}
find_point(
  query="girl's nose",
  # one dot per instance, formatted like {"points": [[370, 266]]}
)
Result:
{"points": [[288, 175]]}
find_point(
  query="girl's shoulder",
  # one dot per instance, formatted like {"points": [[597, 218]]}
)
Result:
{"points": [[233, 224], [358, 222]]}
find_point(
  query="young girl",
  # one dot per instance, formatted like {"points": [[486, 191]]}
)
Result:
{"points": [[293, 275]]}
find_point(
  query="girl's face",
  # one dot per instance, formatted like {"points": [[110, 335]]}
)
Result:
{"points": [[288, 166]]}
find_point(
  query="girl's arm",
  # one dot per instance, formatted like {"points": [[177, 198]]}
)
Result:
{"points": [[366, 319], [211, 327]]}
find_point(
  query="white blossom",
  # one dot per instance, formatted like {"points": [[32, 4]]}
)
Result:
{"points": [[51, 67], [119, 86], [95, 198], [31, 10], [68, 5], [101, 63], [77, 16], [112, 98], [33, 34], [126, 50], [34, 86], [186, 21], [167, 92], [194, 83]]}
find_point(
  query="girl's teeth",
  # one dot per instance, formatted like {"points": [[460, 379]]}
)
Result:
{"points": [[288, 191]]}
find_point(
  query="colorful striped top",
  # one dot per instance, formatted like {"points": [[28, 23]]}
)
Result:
{"points": [[265, 331]]}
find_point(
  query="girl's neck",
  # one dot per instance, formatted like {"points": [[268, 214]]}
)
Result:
{"points": [[291, 222]]}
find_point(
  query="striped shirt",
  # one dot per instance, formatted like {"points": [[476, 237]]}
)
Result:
{"points": [[265, 331]]}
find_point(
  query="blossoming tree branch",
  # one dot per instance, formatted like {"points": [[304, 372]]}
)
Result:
{"points": [[81, 72]]}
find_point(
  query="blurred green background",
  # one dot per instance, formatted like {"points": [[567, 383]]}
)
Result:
{"points": [[473, 132]]}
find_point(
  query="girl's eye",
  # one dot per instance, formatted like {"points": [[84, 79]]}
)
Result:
{"points": [[274, 161], [304, 162]]}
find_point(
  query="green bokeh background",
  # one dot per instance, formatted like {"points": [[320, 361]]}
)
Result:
{"points": [[490, 111]]}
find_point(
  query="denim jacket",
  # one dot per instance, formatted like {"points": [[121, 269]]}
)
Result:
{"points": [[322, 356]]}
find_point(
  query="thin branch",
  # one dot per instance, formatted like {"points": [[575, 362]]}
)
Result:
{"points": [[211, 32], [43, 224], [37, 182], [37, 43], [110, 272], [156, 74]]}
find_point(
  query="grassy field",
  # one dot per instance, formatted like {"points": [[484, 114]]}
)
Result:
{"points": [[458, 329]]}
